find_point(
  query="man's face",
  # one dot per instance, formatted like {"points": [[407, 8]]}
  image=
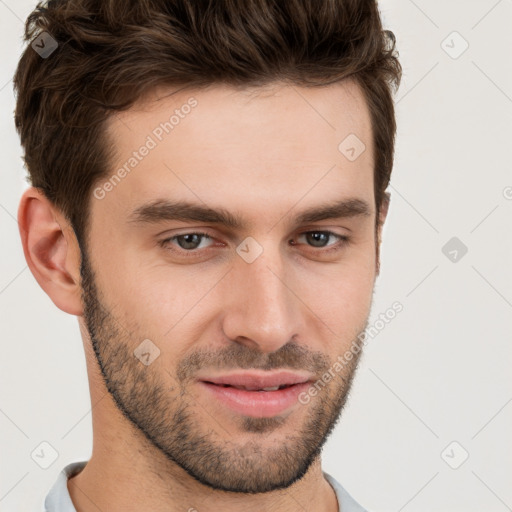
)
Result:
{"points": [[272, 293]]}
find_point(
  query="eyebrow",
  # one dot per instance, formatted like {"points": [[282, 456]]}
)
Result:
{"points": [[165, 210]]}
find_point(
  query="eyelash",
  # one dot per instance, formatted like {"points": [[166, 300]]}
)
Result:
{"points": [[343, 241]]}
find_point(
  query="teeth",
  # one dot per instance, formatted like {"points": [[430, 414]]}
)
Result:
{"points": [[274, 388]]}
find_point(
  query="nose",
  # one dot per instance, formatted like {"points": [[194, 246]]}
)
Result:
{"points": [[262, 312]]}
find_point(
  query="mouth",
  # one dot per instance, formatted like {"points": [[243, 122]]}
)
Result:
{"points": [[258, 380], [254, 395], [245, 388]]}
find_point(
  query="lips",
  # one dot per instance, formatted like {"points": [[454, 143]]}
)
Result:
{"points": [[256, 404], [253, 381], [247, 388], [257, 394]]}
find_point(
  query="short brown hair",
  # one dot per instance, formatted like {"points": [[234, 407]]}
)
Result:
{"points": [[112, 52]]}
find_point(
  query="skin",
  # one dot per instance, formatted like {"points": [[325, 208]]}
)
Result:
{"points": [[265, 154]]}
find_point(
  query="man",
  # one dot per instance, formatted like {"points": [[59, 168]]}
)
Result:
{"points": [[208, 194]]}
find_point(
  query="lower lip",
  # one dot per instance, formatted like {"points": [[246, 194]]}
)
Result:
{"points": [[257, 404]]}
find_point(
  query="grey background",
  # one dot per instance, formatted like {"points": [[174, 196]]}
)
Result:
{"points": [[438, 373]]}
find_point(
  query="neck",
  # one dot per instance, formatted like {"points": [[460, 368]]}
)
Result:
{"points": [[126, 469]]}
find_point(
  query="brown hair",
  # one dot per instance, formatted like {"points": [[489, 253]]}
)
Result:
{"points": [[112, 52]]}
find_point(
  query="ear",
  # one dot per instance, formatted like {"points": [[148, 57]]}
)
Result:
{"points": [[51, 250], [383, 212]]}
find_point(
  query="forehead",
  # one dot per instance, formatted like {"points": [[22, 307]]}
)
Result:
{"points": [[249, 146]]}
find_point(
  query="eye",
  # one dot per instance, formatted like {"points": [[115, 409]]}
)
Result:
{"points": [[191, 243], [319, 239], [187, 241]]}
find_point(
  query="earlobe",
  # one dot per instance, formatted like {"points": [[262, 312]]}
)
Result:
{"points": [[51, 250]]}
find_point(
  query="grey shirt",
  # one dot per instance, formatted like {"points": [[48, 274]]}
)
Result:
{"points": [[58, 499]]}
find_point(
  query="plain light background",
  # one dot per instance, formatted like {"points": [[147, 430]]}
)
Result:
{"points": [[434, 385]]}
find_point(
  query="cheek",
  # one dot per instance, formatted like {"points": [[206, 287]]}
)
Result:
{"points": [[346, 306], [155, 299], [342, 298], [160, 302]]}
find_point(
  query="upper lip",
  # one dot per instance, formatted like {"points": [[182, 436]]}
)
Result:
{"points": [[257, 380]]}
